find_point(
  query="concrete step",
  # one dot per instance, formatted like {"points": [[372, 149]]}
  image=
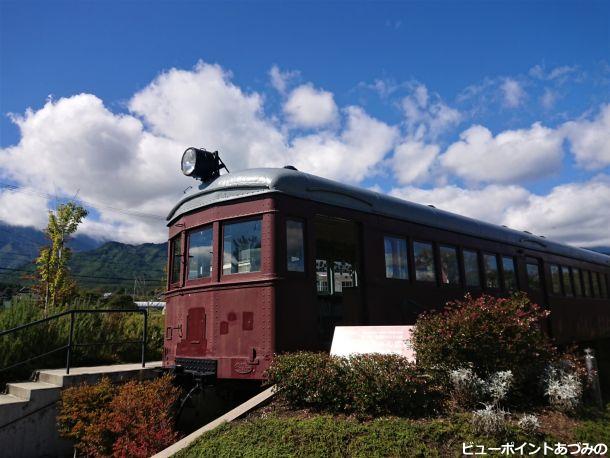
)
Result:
{"points": [[116, 372], [33, 390]]}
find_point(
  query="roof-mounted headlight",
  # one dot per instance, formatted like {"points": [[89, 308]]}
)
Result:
{"points": [[202, 164]]}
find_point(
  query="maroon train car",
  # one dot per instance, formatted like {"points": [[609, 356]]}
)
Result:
{"points": [[271, 260]]}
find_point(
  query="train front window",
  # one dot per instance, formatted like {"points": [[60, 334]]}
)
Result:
{"points": [[471, 268], [450, 272], [424, 261], [533, 274], [492, 279], [510, 277], [396, 258], [242, 247], [577, 281], [200, 253], [567, 281], [175, 260], [295, 246], [555, 279]]}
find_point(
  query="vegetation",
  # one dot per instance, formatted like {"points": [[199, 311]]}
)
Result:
{"points": [[331, 436], [488, 335], [55, 286], [119, 420], [367, 385], [35, 340]]}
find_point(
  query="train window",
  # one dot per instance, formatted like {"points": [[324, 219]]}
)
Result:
{"points": [[450, 271], [471, 268], [587, 282], [295, 246], [424, 261], [396, 258], [510, 276], [492, 277], [577, 281], [603, 286], [555, 279], [200, 253], [595, 284], [175, 260], [242, 247], [567, 281], [533, 274]]}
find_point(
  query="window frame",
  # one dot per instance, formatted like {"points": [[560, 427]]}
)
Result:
{"points": [[409, 257], [238, 220], [530, 261], [515, 272], [559, 292], [172, 258], [478, 264], [577, 280], [499, 279], [570, 279], [187, 247], [306, 267], [460, 282], [433, 282]]}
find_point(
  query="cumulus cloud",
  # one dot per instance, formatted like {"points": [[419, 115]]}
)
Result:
{"points": [[574, 213], [512, 155], [281, 79], [590, 140], [25, 208], [352, 155], [426, 115], [412, 161], [310, 107], [513, 93]]}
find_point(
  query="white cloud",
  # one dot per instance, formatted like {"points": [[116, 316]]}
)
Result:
{"points": [[352, 155], [24, 208], [548, 99], [426, 115], [574, 213], [512, 155], [513, 93], [310, 107], [413, 160], [281, 79], [488, 204], [590, 140]]}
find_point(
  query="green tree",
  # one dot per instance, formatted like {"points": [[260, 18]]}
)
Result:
{"points": [[54, 283]]}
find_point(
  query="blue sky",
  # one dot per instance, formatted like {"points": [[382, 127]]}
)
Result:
{"points": [[451, 103]]}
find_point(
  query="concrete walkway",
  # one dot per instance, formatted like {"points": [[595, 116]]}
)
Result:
{"points": [[28, 410]]}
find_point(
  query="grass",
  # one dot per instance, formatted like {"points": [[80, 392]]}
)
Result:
{"points": [[331, 436]]}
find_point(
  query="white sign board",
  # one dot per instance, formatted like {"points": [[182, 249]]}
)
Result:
{"points": [[387, 340]]}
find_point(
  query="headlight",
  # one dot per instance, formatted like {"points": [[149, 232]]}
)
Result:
{"points": [[189, 161]]}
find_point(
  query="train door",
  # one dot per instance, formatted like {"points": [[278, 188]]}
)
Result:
{"points": [[338, 281]]}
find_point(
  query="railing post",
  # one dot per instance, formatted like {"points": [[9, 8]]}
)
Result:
{"points": [[144, 336], [70, 342]]}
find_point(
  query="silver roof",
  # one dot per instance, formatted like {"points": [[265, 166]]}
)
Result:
{"points": [[303, 185]]}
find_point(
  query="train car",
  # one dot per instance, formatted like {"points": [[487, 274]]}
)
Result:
{"points": [[265, 261]]}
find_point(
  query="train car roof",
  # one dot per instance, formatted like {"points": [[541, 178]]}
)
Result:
{"points": [[303, 185]]}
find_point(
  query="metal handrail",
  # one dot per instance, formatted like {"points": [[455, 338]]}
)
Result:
{"points": [[71, 344]]}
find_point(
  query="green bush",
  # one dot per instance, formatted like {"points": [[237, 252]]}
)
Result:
{"points": [[88, 328], [366, 384], [489, 335]]}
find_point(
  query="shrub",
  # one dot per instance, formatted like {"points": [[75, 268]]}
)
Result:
{"points": [[308, 379], [365, 384], [134, 419], [469, 390], [528, 423], [490, 420], [498, 385], [563, 388], [488, 334], [82, 417]]}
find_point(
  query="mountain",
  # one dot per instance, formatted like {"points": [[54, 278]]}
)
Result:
{"points": [[117, 264], [20, 245], [601, 249]]}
